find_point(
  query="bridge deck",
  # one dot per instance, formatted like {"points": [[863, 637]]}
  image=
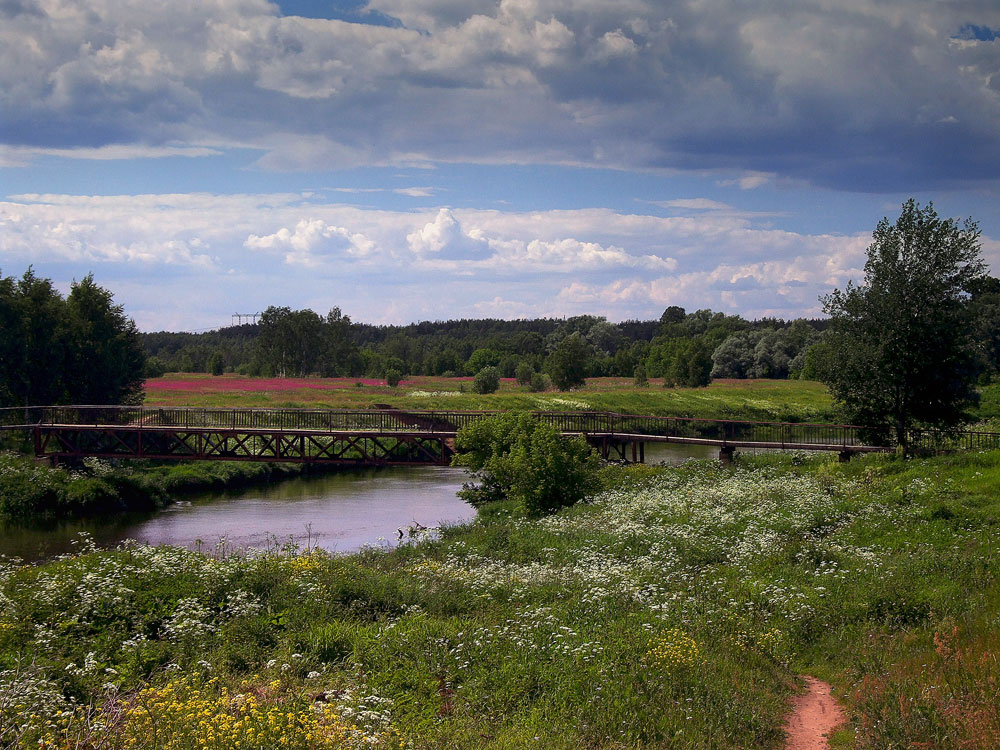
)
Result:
{"points": [[392, 435]]}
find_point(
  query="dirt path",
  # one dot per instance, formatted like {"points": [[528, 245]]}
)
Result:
{"points": [[814, 715]]}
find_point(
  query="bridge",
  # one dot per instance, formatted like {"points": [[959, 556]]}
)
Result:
{"points": [[391, 436]]}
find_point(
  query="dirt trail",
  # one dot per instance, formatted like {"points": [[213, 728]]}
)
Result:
{"points": [[815, 713]]}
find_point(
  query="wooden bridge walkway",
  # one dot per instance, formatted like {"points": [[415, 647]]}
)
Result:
{"points": [[392, 436]]}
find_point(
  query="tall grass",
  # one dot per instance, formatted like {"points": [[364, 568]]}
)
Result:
{"points": [[672, 610]]}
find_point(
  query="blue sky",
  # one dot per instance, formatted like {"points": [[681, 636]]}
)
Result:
{"points": [[430, 159]]}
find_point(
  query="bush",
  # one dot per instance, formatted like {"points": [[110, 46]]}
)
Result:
{"points": [[517, 457], [215, 365], [155, 367], [639, 377], [487, 380], [393, 377], [539, 382], [523, 373]]}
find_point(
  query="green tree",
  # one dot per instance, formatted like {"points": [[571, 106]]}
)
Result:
{"points": [[290, 342], [155, 367], [690, 366], [569, 363], [486, 380], [482, 358], [33, 346], [523, 373], [393, 377], [516, 456], [82, 349], [639, 376], [985, 303], [215, 364], [340, 354], [108, 359], [903, 341]]}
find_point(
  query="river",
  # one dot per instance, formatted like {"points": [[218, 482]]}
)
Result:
{"points": [[339, 512]]}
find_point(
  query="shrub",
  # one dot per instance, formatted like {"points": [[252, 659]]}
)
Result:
{"points": [[639, 376], [215, 365], [539, 382], [155, 367], [393, 377], [487, 380], [523, 373], [517, 457]]}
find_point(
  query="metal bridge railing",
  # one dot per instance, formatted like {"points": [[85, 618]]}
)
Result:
{"points": [[390, 419]]}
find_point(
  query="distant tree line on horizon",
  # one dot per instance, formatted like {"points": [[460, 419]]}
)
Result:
{"points": [[682, 348]]}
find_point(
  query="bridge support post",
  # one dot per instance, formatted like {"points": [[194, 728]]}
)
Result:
{"points": [[642, 453], [726, 454], [845, 456]]}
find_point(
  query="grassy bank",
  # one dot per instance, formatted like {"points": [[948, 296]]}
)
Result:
{"points": [[31, 490], [672, 611], [791, 400]]}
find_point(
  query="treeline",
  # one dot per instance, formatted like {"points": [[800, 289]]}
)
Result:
{"points": [[79, 349], [683, 348]]}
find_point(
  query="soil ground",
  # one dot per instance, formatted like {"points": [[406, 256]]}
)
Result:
{"points": [[815, 714]]}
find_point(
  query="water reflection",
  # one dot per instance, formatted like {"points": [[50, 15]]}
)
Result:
{"points": [[339, 512]]}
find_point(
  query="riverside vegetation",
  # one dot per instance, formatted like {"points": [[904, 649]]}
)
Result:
{"points": [[29, 491], [671, 609]]}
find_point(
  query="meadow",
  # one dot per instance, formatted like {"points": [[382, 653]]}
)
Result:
{"points": [[779, 400], [674, 609]]}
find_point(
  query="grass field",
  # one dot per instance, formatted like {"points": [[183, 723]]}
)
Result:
{"points": [[672, 611], [792, 400]]}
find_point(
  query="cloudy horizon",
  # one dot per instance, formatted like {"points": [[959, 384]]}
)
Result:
{"points": [[430, 159]]}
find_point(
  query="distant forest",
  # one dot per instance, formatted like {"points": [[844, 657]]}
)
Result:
{"points": [[686, 348]]}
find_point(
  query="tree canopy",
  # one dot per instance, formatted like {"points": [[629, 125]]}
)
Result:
{"points": [[902, 344], [82, 349]]}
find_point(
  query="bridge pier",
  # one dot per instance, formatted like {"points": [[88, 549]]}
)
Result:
{"points": [[845, 456], [726, 454]]}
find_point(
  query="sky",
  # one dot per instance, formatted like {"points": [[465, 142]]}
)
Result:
{"points": [[411, 160]]}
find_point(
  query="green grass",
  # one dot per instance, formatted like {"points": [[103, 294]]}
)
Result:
{"points": [[779, 400], [672, 611]]}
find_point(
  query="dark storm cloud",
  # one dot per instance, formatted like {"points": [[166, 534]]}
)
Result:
{"points": [[858, 95]]}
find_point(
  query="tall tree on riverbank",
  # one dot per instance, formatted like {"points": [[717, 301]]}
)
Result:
{"points": [[903, 341], [82, 349]]}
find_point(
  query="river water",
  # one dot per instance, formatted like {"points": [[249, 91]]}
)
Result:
{"points": [[339, 512]]}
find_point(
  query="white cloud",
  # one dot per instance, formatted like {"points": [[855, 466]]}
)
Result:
{"points": [[415, 192], [786, 90], [444, 238], [695, 204], [314, 242], [251, 251]]}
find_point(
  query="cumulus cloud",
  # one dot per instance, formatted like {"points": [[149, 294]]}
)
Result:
{"points": [[444, 238], [871, 96], [225, 252], [569, 255], [313, 242]]}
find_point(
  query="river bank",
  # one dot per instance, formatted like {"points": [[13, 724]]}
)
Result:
{"points": [[671, 611], [34, 490]]}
